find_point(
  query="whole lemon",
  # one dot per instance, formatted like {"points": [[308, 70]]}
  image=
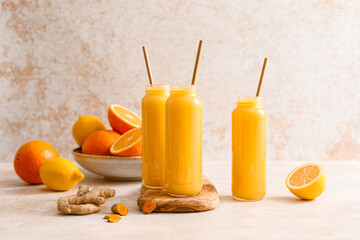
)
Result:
{"points": [[60, 174], [85, 126]]}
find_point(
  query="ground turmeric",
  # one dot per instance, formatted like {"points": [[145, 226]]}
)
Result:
{"points": [[119, 209], [148, 207]]}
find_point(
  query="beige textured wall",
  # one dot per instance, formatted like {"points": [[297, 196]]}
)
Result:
{"points": [[60, 59]]}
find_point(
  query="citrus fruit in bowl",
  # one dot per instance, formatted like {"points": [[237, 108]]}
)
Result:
{"points": [[114, 154], [111, 167], [85, 126], [129, 144], [99, 142], [30, 157], [122, 119]]}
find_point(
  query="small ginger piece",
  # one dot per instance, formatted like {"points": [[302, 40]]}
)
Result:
{"points": [[119, 209], [113, 217], [148, 207], [85, 201]]}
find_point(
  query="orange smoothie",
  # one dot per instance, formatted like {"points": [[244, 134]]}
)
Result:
{"points": [[183, 142], [153, 127], [249, 150]]}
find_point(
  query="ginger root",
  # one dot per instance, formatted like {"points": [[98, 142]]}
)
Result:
{"points": [[85, 201], [148, 207], [119, 209]]}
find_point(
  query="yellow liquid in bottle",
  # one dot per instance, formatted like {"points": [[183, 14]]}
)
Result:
{"points": [[183, 142], [249, 150], [153, 127]]}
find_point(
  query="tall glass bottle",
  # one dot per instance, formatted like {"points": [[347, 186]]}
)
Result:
{"points": [[249, 150], [153, 127], [183, 141]]}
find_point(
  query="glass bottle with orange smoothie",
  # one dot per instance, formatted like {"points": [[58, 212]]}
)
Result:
{"points": [[249, 150], [183, 142], [153, 127]]}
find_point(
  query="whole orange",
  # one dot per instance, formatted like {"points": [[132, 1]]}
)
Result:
{"points": [[30, 157], [99, 142]]}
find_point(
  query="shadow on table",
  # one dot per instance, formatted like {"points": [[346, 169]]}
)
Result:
{"points": [[19, 187], [287, 199], [283, 199], [226, 198]]}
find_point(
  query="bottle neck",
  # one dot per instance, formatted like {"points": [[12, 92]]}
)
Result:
{"points": [[161, 89], [183, 90], [249, 102]]}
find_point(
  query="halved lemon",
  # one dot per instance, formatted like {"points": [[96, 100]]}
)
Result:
{"points": [[307, 181], [129, 144], [122, 119]]}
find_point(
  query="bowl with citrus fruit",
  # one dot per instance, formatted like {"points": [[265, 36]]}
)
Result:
{"points": [[115, 154]]}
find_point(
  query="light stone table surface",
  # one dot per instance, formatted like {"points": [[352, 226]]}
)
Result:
{"points": [[29, 212]]}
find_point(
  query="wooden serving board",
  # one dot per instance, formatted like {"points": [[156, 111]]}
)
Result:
{"points": [[207, 199]]}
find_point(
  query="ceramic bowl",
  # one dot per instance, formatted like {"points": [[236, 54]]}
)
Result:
{"points": [[111, 167]]}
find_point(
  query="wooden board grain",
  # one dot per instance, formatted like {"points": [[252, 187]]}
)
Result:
{"points": [[207, 199]]}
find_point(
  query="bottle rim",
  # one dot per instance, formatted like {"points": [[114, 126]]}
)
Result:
{"points": [[158, 86], [249, 100], [183, 87]]}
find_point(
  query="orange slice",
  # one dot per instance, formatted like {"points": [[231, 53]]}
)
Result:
{"points": [[122, 119], [129, 144], [307, 181]]}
